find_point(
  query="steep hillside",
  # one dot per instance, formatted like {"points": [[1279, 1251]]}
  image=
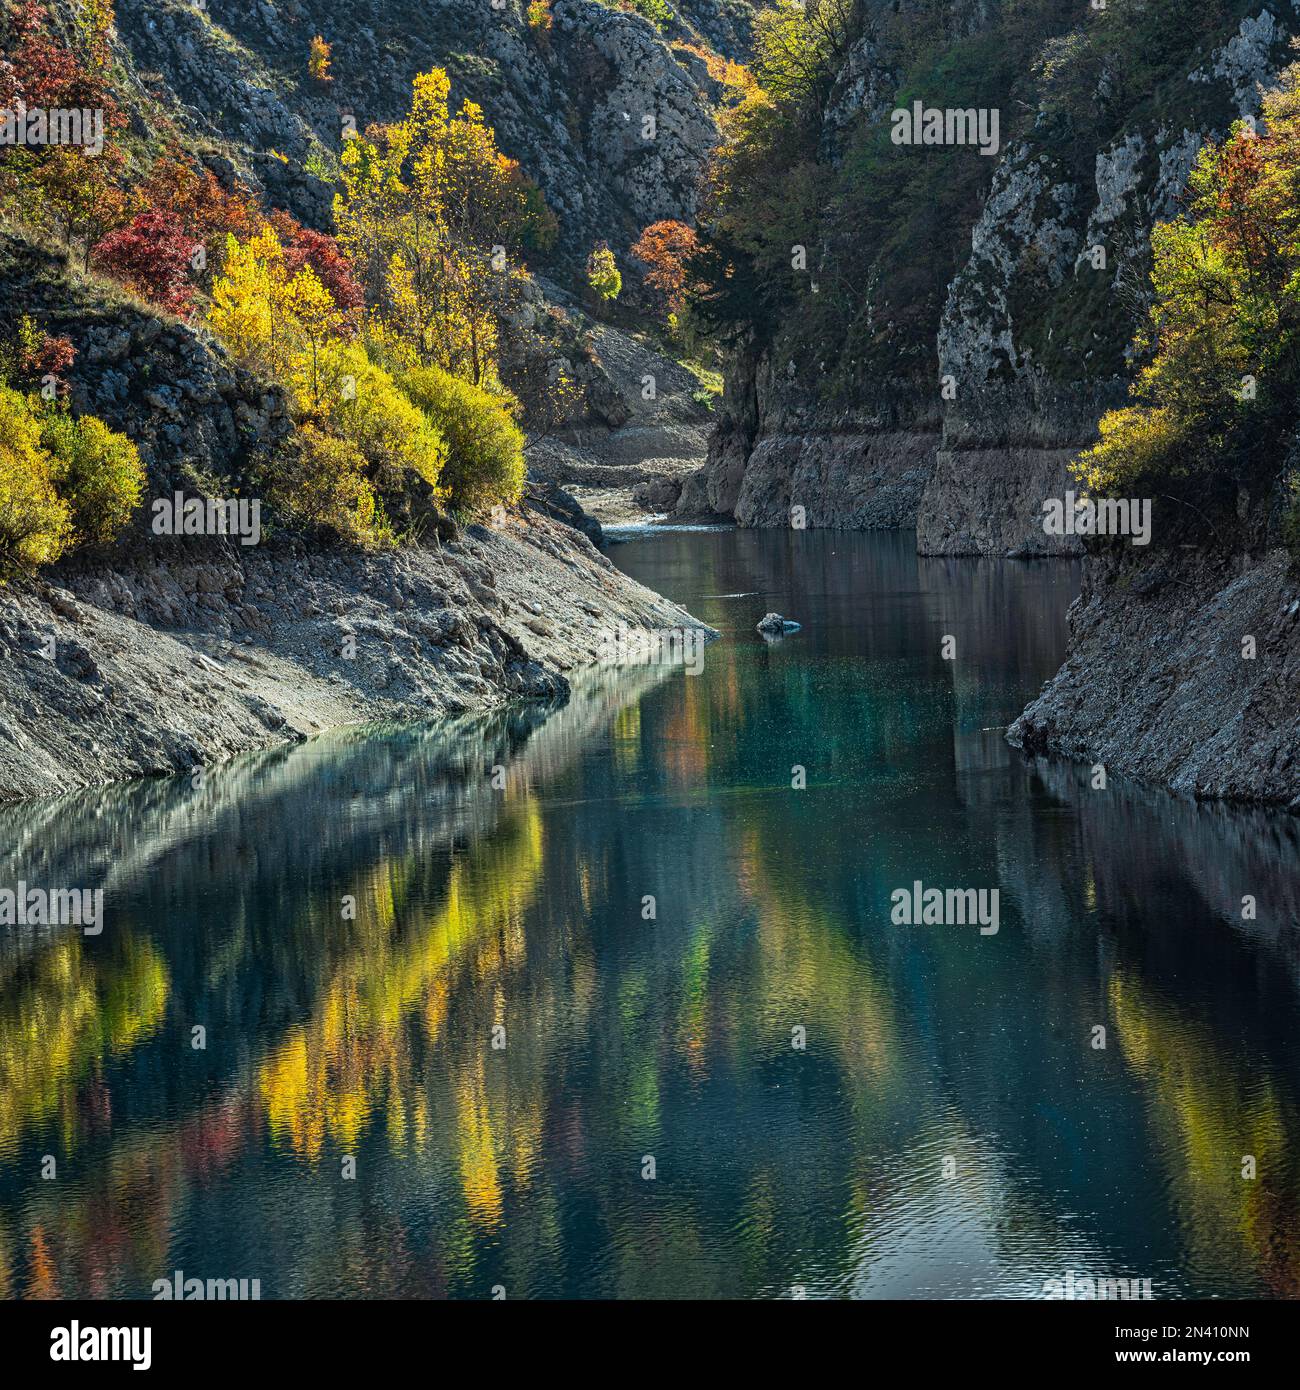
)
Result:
{"points": [[172, 337], [170, 653], [964, 318], [567, 94]]}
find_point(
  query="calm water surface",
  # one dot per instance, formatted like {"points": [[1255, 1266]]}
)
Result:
{"points": [[949, 1130]]}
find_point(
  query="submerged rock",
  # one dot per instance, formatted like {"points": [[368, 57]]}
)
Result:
{"points": [[774, 625]]}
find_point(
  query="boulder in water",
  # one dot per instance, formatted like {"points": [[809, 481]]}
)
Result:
{"points": [[774, 625]]}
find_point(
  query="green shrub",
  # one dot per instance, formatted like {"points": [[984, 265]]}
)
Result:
{"points": [[361, 404], [322, 483], [485, 464], [96, 471], [603, 274], [658, 12], [35, 524]]}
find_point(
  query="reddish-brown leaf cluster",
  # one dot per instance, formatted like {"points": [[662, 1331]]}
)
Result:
{"points": [[303, 246], [665, 248], [1242, 192], [51, 356], [40, 356], [52, 76], [145, 236], [195, 195], [153, 256]]}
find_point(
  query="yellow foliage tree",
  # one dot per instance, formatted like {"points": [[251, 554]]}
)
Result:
{"points": [[35, 524], [428, 211], [287, 327], [248, 303], [318, 60]]}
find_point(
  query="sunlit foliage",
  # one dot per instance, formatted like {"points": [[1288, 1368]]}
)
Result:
{"points": [[485, 461], [1217, 394], [603, 275], [64, 480], [95, 470], [429, 212]]}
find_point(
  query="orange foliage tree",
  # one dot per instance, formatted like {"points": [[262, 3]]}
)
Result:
{"points": [[665, 248], [318, 60]]}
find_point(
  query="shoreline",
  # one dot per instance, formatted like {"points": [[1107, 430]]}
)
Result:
{"points": [[174, 667]]}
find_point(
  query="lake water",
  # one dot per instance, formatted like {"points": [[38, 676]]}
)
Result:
{"points": [[445, 1046]]}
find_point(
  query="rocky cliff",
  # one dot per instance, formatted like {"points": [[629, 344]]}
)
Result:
{"points": [[957, 408], [569, 100], [965, 320], [1183, 670]]}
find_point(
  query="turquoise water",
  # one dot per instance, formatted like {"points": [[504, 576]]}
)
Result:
{"points": [[464, 1085]]}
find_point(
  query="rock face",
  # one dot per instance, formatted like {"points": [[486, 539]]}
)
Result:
{"points": [[131, 670], [1158, 683], [613, 124], [648, 130], [990, 502], [628, 459], [189, 410], [851, 482], [1032, 343]]}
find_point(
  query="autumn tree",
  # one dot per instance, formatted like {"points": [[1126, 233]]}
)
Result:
{"points": [[311, 309], [485, 447], [35, 522], [278, 318], [80, 189], [1221, 342], [65, 480], [52, 74], [665, 248], [799, 48], [207, 210], [36, 359], [96, 471], [429, 213], [153, 257], [318, 60], [304, 246], [251, 301]]}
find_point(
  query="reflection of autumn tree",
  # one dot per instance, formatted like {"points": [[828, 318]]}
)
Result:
{"points": [[355, 1060], [66, 1018], [111, 1234], [810, 971], [1209, 1112], [452, 1105]]}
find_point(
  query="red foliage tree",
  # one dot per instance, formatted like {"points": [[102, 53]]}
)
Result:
{"points": [[80, 189], [195, 195], [50, 356], [303, 246], [36, 357], [152, 256], [664, 248], [51, 75]]}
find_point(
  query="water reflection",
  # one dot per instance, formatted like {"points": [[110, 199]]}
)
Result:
{"points": [[461, 987]]}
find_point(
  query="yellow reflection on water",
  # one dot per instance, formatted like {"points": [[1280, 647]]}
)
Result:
{"points": [[70, 1015], [330, 1078], [1209, 1112]]}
